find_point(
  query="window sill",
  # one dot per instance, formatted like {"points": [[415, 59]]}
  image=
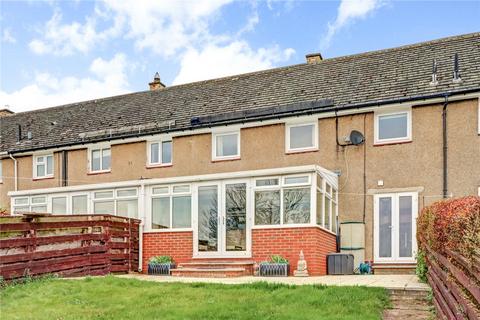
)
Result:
{"points": [[284, 226], [168, 230], [93, 173], [153, 166], [226, 159], [386, 143], [301, 151], [42, 178]]}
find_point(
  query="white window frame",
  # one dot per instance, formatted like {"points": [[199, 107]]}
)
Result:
{"points": [[170, 194], [89, 202], [149, 152], [281, 187], [101, 148], [29, 203], [114, 198], [333, 197], [215, 157], [395, 226], [378, 114], [35, 165], [290, 125], [1, 171]]}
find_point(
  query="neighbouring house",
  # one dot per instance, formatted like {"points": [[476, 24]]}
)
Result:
{"points": [[270, 162]]}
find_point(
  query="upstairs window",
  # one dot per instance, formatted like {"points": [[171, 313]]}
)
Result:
{"points": [[100, 159], [160, 152], [301, 137], [43, 166], [226, 146], [393, 127]]}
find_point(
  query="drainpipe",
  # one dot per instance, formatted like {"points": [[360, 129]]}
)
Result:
{"points": [[445, 148], [15, 170], [64, 168], [140, 227]]}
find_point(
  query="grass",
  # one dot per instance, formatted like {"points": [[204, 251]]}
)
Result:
{"points": [[116, 298]]}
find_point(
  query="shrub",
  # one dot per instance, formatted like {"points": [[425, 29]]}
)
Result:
{"points": [[452, 224], [276, 258], [160, 260], [422, 268]]}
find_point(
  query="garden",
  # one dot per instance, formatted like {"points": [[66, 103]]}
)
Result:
{"points": [[111, 297]]}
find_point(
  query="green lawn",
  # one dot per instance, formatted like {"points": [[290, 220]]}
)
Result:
{"points": [[116, 298]]}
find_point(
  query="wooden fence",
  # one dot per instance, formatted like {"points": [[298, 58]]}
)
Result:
{"points": [[67, 245], [455, 282]]}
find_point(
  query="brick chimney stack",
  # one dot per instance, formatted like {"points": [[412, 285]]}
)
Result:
{"points": [[5, 112], [156, 84], [314, 58]]}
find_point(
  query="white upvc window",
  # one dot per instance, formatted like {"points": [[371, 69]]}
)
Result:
{"points": [[99, 159], [393, 126], [283, 200], [327, 205], [226, 145], [43, 166], [301, 137], [120, 202], [37, 204], [171, 207], [59, 204], [160, 152]]}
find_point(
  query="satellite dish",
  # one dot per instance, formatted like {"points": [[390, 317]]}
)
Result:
{"points": [[356, 138]]}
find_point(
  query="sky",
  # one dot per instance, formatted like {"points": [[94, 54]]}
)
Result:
{"points": [[58, 52]]}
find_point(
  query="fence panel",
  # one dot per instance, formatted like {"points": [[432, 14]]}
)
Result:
{"points": [[68, 245]]}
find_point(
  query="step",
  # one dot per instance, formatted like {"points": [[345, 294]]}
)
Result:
{"points": [[212, 272], [393, 269], [248, 265]]}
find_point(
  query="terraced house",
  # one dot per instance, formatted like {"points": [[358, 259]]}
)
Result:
{"points": [[340, 152]]}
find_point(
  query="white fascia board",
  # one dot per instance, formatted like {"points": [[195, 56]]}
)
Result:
{"points": [[173, 180]]}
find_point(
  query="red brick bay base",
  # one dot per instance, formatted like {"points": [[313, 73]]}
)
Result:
{"points": [[316, 243]]}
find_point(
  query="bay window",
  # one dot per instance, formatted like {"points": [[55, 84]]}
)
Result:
{"points": [[171, 207], [327, 200], [286, 203]]}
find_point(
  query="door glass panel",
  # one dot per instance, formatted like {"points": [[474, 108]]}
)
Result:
{"points": [[405, 226], [236, 216], [208, 218], [385, 227]]}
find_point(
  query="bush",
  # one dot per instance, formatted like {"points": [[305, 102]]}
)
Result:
{"points": [[452, 224], [276, 258], [160, 260], [422, 267]]}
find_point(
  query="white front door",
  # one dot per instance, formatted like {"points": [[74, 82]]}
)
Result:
{"points": [[222, 219], [395, 227]]}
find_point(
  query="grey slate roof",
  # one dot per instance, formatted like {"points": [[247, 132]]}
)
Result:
{"points": [[372, 76]]}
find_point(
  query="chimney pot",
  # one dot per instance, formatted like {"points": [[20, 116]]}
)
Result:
{"points": [[314, 58], [156, 84]]}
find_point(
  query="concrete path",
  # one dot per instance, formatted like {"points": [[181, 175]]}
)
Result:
{"points": [[397, 282]]}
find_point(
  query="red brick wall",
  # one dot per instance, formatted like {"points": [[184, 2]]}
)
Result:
{"points": [[315, 243], [178, 245]]}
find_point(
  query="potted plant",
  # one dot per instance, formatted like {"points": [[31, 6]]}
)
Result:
{"points": [[160, 265], [277, 266]]}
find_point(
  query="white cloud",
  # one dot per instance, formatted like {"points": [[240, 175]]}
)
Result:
{"points": [[108, 78], [67, 39], [7, 36], [236, 57], [348, 11]]}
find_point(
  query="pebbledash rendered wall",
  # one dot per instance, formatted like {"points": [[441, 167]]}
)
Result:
{"points": [[316, 243]]}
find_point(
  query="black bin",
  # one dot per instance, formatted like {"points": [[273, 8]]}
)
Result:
{"points": [[339, 263]]}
